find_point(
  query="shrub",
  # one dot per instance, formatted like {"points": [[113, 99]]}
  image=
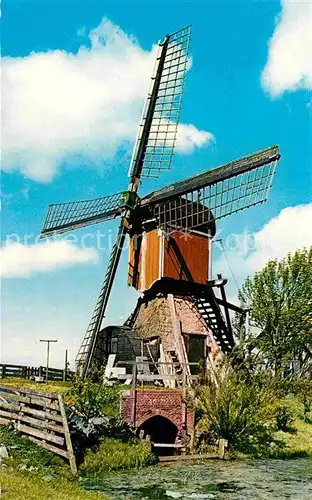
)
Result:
{"points": [[113, 454], [284, 419], [93, 413], [87, 399], [235, 408]]}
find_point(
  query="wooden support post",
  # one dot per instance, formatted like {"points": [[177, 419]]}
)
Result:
{"points": [[184, 397], [134, 382], [223, 443], [69, 446]]}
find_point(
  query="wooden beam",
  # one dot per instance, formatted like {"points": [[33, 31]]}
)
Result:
{"points": [[38, 413], [233, 307], [33, 421], [49, 447], [69, 446], [47, 436]]}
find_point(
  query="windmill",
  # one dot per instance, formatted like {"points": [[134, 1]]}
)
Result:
{"points": [[190, 207]]}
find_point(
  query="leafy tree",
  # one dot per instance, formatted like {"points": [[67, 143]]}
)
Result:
{"points": [[280, 299]]}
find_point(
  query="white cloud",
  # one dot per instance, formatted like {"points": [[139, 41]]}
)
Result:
{"points": [[290, 50], [189, 138], [288, 231], [80, 107], [20, 260]]}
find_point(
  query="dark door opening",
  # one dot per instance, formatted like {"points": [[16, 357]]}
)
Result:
{"points": [[196, 350], [160, 430]]}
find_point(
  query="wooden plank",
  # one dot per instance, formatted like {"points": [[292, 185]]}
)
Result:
{"points": [[9, 406], [49, 447], [41, 402], [156, 363], [38, 401], [40, 434], [4, 421], [38, 413], [180, 458], [42, 423], [150, 378], [34, 421], [44, 395], [167, 445], [12, 366], [69, 446], [43, 414]]}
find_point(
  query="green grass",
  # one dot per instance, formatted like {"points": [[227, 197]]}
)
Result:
{"points": [[32, 473], [113, 454], [20, 485], [20, 383], [297, 443]]}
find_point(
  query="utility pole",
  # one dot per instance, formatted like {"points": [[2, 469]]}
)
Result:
{"points": [[65, 366], [48, 355]]}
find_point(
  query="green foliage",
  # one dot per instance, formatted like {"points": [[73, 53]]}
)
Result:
{"points": [[236, 409], [113, 454], [284, 419], [88, 399], [280, 298], [93, 413]]}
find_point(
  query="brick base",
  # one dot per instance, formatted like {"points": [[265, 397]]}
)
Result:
{"points": [[137, 406]]}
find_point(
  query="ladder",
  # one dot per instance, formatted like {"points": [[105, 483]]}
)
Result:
{"points": [[211, 313], [177, 368]]}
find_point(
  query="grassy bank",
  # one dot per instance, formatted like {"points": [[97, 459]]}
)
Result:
{"points": [[297, 442], [22, 485], [33, 473]]}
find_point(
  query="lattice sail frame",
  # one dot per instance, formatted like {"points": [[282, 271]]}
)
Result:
{"points": [[63, 217], [215, 194], [164, 127]]}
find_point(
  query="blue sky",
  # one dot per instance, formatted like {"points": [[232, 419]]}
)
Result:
{"points": [[73, 87]]}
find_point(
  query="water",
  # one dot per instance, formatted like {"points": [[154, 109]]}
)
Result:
{"points": [[212, 480]]}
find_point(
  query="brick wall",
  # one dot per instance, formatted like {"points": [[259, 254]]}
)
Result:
{"points": [[139, 406]]}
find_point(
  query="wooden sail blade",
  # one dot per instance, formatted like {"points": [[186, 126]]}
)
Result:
{"points": [[216, 193], [63, 217], [154, 147], [89, 353]]}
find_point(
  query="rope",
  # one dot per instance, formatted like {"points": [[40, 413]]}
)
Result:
{"points": [[229, 264]]}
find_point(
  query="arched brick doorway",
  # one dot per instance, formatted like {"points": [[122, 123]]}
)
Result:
{"points": [[161, 430]]}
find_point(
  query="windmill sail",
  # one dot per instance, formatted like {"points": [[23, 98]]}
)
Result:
{"points": [[63, 217], [152, 152], [88, 351], [215, 193], [162, 107]]}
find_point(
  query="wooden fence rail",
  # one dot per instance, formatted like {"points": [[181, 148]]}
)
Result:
{"points": [[29, 372], [39, 416]]}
